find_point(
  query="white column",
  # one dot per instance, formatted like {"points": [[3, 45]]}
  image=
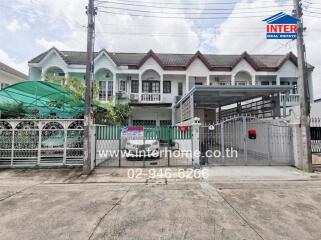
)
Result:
{"points": [[195, 144], [278, 81], [233, 80], [253, 80], [187, 84], [310, 84], [66, 77], [161, 87], [42, 75], [139, 87], [114, 84], [207, 80], [173, 114]]}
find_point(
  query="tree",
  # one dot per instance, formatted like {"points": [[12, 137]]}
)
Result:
{"points": [[110, 112]]}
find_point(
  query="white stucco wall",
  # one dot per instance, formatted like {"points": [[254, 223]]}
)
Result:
{"points": [[175, 79], [53, 60], [9, 79]]}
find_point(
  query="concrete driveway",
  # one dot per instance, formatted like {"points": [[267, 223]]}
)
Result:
{"points": [[282, 203]]}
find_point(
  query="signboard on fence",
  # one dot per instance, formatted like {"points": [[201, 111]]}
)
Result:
{"points": [[132, 133]]}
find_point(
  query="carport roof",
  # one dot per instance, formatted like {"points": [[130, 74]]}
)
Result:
{"points": [[216, 96]]}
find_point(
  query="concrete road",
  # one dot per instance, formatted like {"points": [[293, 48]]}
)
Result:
{"points": [[277, 203]]}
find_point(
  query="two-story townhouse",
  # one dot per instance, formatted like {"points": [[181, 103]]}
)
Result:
{"points": [[153, 83]]}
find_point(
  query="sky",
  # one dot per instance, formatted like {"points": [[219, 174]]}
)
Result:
{"points": [[30, 27]]}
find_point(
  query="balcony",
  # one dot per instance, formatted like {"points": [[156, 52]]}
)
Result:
{"points": [[150, 97], [292, 100]]}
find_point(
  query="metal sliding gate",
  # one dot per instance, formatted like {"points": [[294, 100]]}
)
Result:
{"points": [[41, 142], [172, 143], [247, 141]]}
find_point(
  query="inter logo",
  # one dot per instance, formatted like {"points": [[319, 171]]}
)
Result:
{"points": [[281, 26]]}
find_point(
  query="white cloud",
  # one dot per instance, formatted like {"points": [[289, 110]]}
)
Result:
{"points": [[119, 32], [20, 66], [248, 34], [13, 26]]}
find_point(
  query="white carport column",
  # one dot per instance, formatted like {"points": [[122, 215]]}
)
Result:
{"points": [[278, 81], [161, 87], [208, 80], [196, 142], [139, 87]]}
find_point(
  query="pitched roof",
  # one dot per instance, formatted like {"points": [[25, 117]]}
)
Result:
{"points": [[260, 62], [7, 69]]}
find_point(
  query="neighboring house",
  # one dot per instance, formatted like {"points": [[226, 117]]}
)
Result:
{"points": [[9, 76], [153, 83]]}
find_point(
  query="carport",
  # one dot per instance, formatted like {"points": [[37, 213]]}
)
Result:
{"points": [[227, 101]]}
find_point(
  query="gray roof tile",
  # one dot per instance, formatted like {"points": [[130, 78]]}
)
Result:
{"points": [[6, 68], [168, 59]]}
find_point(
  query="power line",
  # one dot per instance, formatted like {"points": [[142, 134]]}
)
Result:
{"points": [[312, 3], [188, 8], [178, 26], [174, 17], [178, 34], [191, 4], [179, 13], [312, 12]]}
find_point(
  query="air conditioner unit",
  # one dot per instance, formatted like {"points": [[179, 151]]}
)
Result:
{"points": [[121, 94], [134, 97]]}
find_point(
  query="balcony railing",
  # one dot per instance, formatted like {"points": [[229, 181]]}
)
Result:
{"points": [[292, 100], [221, 83], [150, 97]]}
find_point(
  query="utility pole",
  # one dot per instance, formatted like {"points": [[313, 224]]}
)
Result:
{"points": [[305, 153], [88, 117]]}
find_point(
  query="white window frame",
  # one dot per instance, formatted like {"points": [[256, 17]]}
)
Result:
{"points": [[108, 89], [122, 88]]}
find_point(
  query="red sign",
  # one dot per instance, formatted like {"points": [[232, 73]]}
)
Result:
{"points": [[252, 134], [183, 128]]}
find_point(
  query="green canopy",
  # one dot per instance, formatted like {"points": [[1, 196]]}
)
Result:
{"points": [[44, 98]]}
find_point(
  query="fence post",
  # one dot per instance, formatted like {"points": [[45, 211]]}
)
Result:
{"points": [[269, 145], [169, 142], [12, 147], [39, 143], [119, 145], [245, 138], [296, 140], [93, 147], [222, 142], [196, 143], [65, 146]]}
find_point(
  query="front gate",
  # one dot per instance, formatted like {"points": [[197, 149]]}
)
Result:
{"points": [[246, 141], [173, 144]]}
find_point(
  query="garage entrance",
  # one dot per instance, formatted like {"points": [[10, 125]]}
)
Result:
{"points": [[143, 146], [246, 141]]}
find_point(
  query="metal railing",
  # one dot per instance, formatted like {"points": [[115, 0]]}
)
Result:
{"points": [[315, 130], [41, 143], [291, 100], [150, 97], [272, 144]]}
